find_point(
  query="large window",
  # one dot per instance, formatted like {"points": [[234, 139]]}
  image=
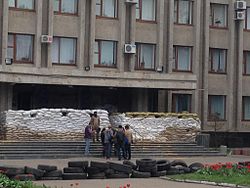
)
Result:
{"points": [[106, 8], [216, 107], [183, 11], [246, 63], [65, 6], [246, 108], [146, 10], [145, 56], [247, 19], [22, 4], [218, 60], [63, 50], [181, 103], [218, 15], [182, 58], [105, 53], [20, 48]]}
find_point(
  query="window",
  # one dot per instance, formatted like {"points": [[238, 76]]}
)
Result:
{"points": [[246, 63], [20, 48], [216, 107], [181, 103], [218, 60], [146, 10], [65, 6], [145, 56], [182, 58], [22, 4], [63, 50], [106, 8], [183, 11], [247, 19], [246, 108], [105, 53], [218, 15]]}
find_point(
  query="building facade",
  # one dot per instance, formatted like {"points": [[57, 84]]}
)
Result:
{"points": [[191, 55]]}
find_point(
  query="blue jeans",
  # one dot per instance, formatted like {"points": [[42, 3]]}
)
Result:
{"points": [[87, 142], [108, 148]]}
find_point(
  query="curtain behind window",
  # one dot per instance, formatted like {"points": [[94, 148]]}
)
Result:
{"points": [[184, 12], [184, 58], [96, 53], [109, 8], [55, 50], [67, 50], [219, 15], [10, 50], [217, 106], [247, 63], [246, 108], [98, 8], [25, 4], [24, 48], [69, 6], [107, 53], [248, 18], [148, 10], [56, 5], [11, 3], [147, 56], [219, 59]]}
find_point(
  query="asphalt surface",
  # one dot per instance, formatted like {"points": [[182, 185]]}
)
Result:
{"points": [[117, 183]]}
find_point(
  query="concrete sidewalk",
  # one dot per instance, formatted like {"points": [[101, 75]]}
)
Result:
{"points": [[116, 183]]}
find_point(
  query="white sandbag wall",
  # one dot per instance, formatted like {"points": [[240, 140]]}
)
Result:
{"points": [[47, 124]]}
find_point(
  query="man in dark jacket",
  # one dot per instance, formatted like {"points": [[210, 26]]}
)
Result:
{"points": [[120, 140], [87, 137]]}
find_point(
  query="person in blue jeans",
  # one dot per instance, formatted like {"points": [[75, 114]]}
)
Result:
{"points": [[108, 135], [120, 140], [87, 137]]}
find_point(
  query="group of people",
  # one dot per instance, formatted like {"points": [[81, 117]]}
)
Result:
{"points": [[120, 138]]}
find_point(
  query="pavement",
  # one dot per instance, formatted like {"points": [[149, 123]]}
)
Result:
{"points": [[117, 183]]}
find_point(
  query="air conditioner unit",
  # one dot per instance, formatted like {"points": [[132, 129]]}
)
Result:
{"points": [[46, 39], [131, 1], [240, 5], [130, 48], [240, 15]]}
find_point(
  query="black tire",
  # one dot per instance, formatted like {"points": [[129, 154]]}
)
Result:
{"points": [[74, 176], [24, 177], [47, 168], [184, 169], [146, 162], [11, 172], [130, 163], [93, 170], [147, 168], [79, 164], [121, 167], [36, 172], [51, 178], [97, 176], [196, 166], [162, 165], [178, 163], [55, 173], [100, 165], [137, 174], [73, 170], [158, 173], [118, 175], [173, 171], [109, 172]]}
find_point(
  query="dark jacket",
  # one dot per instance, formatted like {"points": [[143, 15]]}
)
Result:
{"points": [[88, 132]]}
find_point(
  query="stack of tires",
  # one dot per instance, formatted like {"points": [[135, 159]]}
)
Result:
{"points": [[75, 170], [50, 172], [97, 170], [119, 170], [180, 167]]}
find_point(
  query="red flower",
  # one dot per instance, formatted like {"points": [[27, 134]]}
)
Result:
{"points": [[128, 185]]}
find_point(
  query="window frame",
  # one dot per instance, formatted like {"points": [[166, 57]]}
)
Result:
{"points": [[108, 17], [175, 97], [243, 108], [59, 54], [15, 48], [138, 56], [212, 63], [245, 63], [140, 13], [212, 25], [209, 108], [246, 19], [191, 8], [175, 69], [59, 12], [23, 9], [115, 44]]}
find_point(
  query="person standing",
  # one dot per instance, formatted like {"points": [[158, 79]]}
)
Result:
{"points": [[87, 137], [128, 141], [95, 122], [108, 135], [102, 139], [120, 139]]}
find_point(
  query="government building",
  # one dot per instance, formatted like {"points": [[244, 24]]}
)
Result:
{"points": [[130, 55]]}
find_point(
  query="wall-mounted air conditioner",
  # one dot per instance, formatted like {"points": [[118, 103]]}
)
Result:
{"points": [[131, 1], [240, 5], [46, 39], [240, 15], [129, 48]]}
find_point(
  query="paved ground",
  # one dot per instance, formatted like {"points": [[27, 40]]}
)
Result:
{"points": [[116, 183]]}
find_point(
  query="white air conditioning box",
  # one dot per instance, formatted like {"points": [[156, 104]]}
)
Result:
{"points": [[46, 39], [129, 48], [131, 1], [240, 15], [240, 5]]}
